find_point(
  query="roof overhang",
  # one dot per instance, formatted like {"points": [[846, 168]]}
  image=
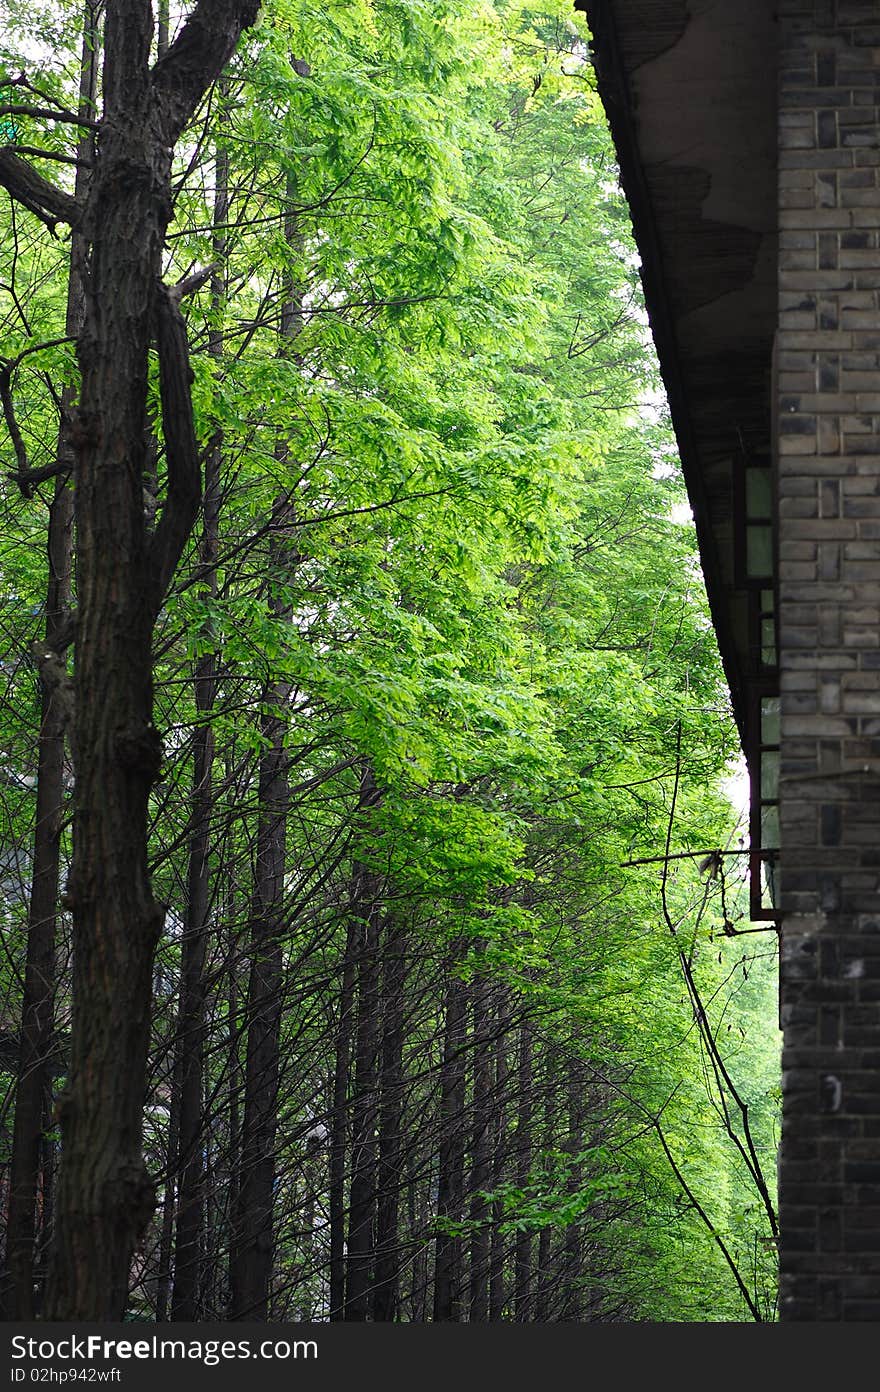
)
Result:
{"points": [[690, 91]]}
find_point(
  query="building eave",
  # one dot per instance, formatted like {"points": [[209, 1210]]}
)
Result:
{"points": [[689, 90]]}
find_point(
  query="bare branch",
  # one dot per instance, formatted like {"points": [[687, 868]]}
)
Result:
{"points": [[710, 1226], [59, 108], [725, 1086], [191, 283], [677, 855], [26, 478], [18, 445], [45, 113], [48, 154], [35, 193], [13, 363]]}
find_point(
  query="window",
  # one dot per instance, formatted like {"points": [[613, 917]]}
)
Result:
{"points": [[764, 816], [755, 573]]}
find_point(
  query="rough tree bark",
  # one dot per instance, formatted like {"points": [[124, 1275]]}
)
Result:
{"points": [[366, 910], [542, 1271], [481, 1158], [34, 1068], [386, 1292], [105, 1196], [166, 1231], [234, 1085], [450, 1193], [163, 1284], [571, 1256], [522, 1259], [419, 1204], [251, 1260], [338, 1123], [499, 1246]]}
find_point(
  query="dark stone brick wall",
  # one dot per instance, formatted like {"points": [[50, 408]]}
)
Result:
{"points": [[829, 534]]}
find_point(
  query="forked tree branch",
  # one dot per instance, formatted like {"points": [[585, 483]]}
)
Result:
{"points": [[196, 58], [50, 204], [18, 445], [47, 113], [25, 476], [191, 283]]}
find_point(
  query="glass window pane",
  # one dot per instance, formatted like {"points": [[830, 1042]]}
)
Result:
{"points": [[768, 601], [768, 643], [770, 720], [759, 551], [770, 774], [759, 497], [769, 883], [770, 827]]}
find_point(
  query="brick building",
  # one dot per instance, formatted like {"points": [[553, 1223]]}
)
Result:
{"points": [[749, 142]]}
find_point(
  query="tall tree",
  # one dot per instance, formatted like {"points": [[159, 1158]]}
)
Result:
{"points": [[367, 911], [191, 1028], [251, 1259], [105, 1197], [448, 1293], [386, 1282], [33, 1104]]}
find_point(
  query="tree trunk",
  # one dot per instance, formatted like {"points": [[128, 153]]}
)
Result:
{"points": [[387, 1274], [191, 1019], [46, 1201], [166, 1234], [105, 1197], [572, 1253], [162, 16], [339, 1123], [34, 1068], [366, 909], [191, 1025], [450, 1191], [522, 1259], [543, 1274], [419, 1285], [234, 1083], [251, 1268], [37, 1016], [499, 1248], [481, 1158]]}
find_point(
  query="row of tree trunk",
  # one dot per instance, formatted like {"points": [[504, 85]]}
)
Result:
{"points": [[383, 1172]]}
